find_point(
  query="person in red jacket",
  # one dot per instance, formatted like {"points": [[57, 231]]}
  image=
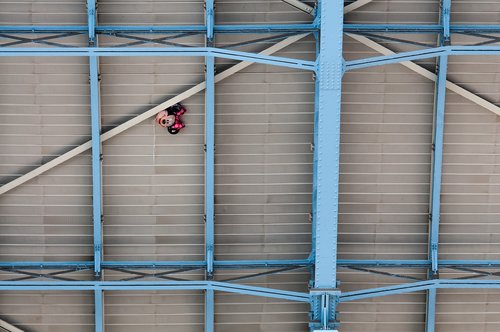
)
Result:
{"points": [[170, 118]]}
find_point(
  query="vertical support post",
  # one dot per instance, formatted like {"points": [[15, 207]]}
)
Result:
{"points": [[437, 163], [326, 160], [313, 147], [209, 149], [209, 310], [209, 165], [92, 19], [96, 162], [96, 140], [209, 20], [430, 321], [99, 310]]}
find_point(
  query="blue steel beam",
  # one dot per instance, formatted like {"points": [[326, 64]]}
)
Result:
{"points": [[419, 286], [209, 147], [430, 310], [247, 264], [98, 309], [326, 162], [209, 310], [245, 56], [299, 28], [437, 163], [327, 145], [422, 54], [209, 165], [170, 51], [245, 289], [92, 20], [96, 163], [209, 20], [233, 264], [153, 285], [96, 142], [386, 28]]}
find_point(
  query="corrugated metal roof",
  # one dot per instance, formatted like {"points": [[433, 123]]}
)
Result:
{"points": [[153, 182]]}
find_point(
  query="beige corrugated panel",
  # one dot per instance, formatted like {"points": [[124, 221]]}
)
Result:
{"points": [[470, 226], [154, 311], [463, 310], [258, 12], [44, 113], [153, 181], [396, 313], [395, 12], [263, 161], [49, 311], [475, 12], [385, 162], [151, 12], [43, 12], [251, 313]]}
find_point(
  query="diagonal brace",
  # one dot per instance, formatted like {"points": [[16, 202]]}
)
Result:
{"points": [[142, 117]]}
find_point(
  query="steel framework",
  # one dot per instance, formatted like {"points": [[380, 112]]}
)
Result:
{"points": [[328, 28]]}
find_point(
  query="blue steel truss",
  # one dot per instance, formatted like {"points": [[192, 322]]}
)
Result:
{"points": [[328, 28]]}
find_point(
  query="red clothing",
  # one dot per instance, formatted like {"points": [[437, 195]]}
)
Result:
{"points": [[176, 110]]}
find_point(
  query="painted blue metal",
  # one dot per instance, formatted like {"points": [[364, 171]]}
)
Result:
{"points": [[437, 163], [247, 264], [98, 310], [422, 54], [160, 51], [326, 161], [209, 310], [383, 263], [419, 286], [152, 285], [209, 20], [386, 28], [445, 22], [393, 28], [440, 101], [415, 28], [244, 56], [209, 166], [92, 19], [209, 143], [96, 163], [430, 318], [271, 28], [315, 157], [327, 146]]}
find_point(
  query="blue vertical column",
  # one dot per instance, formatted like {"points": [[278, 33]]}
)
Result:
{"points": [[209, 164], [437, 163], [96, 143], [99, 310], [326, 162], [96, 164]]}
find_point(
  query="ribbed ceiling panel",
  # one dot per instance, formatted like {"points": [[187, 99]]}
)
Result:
{"points": [[386, 135], [45, 113], [153, 181], [154, 311], [49, 311], [151, 12], [43, 12]]}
